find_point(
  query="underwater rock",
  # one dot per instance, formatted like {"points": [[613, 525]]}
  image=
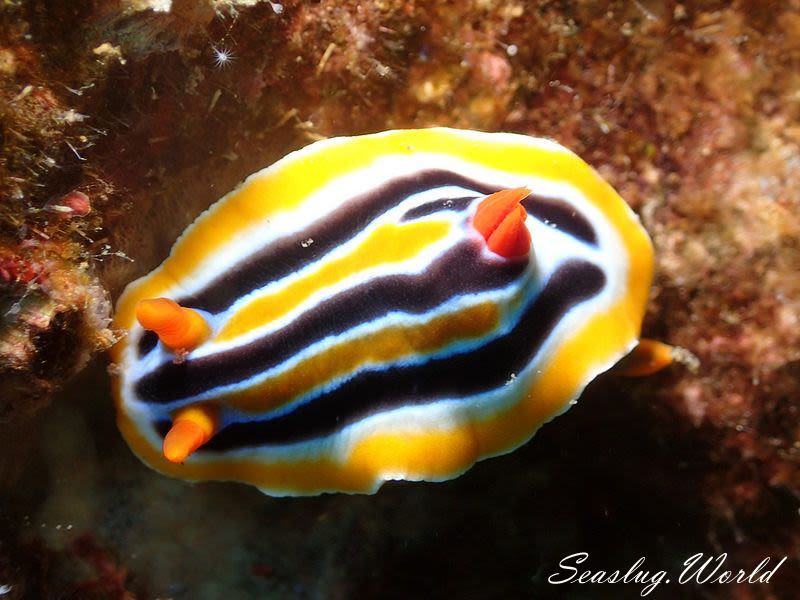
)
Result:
{"points": [[55, 317]]}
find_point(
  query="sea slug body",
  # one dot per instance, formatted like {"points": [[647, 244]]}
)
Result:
{"points": [[390, 306]]}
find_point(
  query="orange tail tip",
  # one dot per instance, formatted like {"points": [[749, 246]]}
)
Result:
{"points": [[178, 328], [191, 428], [501, 221], [649, 357]]}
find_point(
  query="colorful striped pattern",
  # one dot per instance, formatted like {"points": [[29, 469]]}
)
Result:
{"points": [[362, 331]]}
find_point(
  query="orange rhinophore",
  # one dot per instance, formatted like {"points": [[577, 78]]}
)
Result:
{"points": [[178, 328], [500, 219], [648, 357], [191, 428]]}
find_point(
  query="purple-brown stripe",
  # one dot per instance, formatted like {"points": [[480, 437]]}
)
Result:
{"points": [[458, 376]]}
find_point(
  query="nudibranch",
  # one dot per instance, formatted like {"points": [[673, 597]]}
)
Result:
{"points": [[389, 306]]}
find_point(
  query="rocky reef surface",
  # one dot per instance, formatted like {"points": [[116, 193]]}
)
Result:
{"points": [[120, 121]]}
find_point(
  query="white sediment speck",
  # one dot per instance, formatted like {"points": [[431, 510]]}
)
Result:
{"points": [[222, 56], [159, 5]]}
